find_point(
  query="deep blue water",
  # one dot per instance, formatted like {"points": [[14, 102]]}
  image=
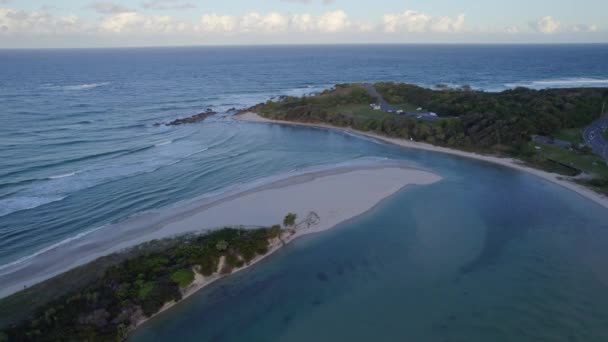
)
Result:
{"points": [[79, 150]]}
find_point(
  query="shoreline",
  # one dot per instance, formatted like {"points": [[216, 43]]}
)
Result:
{"points": [[506, 162], [200, 282], [355, 190]]}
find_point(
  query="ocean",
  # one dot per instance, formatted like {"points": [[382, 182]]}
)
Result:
{"points": [[486, 254]]}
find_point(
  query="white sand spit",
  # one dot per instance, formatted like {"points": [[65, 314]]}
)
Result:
{"points": [[508, 162], [335, 195]]}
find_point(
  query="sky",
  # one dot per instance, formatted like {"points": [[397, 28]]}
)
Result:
{"points": [[106, 23]]}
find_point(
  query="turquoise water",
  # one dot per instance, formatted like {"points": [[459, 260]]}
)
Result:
{"points": [[488, 254], [79, 149]]}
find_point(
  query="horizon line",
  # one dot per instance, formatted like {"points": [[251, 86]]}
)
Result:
{"points": [[304, 45]]}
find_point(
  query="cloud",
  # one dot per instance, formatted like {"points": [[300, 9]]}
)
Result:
{"points": [[418, 22], [132, 22], [218, 23], [546, 25], [335, 21], [512, 29], [119, 25], [584, 28], [168, 5], [107, 7], [274, 22], [24, 22]]}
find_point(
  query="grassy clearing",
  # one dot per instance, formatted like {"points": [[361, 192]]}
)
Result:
{"points": [[408, 107], [183, 277], [588, 163], [573, 135]]}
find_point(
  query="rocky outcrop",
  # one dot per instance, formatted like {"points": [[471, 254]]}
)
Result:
{"points": [[192, 119]]}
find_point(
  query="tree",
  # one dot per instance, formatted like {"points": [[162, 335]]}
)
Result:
{"points": [[222, 245], [290, 220], [274, 231]]}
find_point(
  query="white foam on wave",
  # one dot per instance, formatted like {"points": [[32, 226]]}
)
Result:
{"points": [[164, 143], [196, 152], [76, 87], [18, 203], [49, 248], [561, 83], [63, 175], [185, 205]]}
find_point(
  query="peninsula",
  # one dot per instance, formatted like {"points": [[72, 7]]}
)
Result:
{"points": [[111, 281], [536, 131]]}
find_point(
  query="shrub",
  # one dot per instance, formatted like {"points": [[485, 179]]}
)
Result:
{"points": [[183, 277], [221, 246], [208, 264]]}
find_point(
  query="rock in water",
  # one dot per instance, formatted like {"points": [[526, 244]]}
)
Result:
{"points": [[193, 119]]}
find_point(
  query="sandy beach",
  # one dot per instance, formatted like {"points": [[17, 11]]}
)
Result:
{"points": [[335, 195], [507, 162]]}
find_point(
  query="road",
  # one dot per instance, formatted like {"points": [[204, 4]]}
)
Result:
{"points": [[387, 107], [593, 136]]}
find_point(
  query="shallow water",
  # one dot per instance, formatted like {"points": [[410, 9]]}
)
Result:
{"points": [[79, 149], [488, 254]]}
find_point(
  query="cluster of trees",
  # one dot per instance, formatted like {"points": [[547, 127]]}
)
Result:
{"points": [[109, 307], [473, 120], [539, 111], [319, 108]]}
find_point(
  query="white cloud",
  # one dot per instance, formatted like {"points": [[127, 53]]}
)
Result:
{"points": [[274, 22], [132, 22], [335, 21], [254, 22], [512, 29], [418, 22], [302, 22], [120, 25], [584, 28], [546, 25], [218, 23], [24, 22]]}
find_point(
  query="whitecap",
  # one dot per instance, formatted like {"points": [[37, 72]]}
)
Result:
{"points": [[62, 175], [561, 83], [51, 247], [18, 203], [164, 143], [76, 87], [197, 152]]}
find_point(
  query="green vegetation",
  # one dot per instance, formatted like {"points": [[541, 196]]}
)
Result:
{"points": [[573, 135], [490, 123], [290, 220], [586, 162], [183, 278], [107, 305]]}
